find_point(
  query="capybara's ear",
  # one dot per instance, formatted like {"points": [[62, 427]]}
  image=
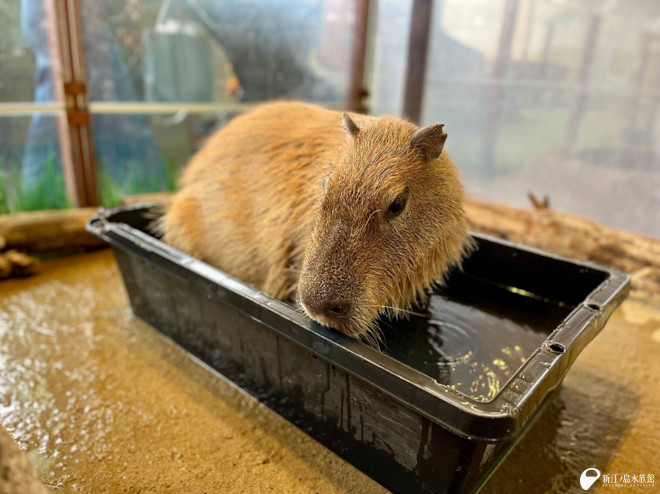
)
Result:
{"points": [[429, 141], [349, 126]]}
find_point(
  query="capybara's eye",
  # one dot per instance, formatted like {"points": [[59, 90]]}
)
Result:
{"points": [[397, 206]]}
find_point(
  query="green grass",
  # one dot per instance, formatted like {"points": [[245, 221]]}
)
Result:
{"points": [[109, 189], [136, 182], [4, 200], [49, 191]]}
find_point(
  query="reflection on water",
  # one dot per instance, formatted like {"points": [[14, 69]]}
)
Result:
{"points": [[474, 335]]}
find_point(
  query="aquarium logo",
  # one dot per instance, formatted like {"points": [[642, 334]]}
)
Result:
{"points": [[586, 480], [629, 480], [591, 475]]}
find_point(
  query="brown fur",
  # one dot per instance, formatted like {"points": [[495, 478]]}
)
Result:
{"points": [[284, 199]]}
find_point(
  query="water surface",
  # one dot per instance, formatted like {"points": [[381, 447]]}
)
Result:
{"points": [[473, 335]]}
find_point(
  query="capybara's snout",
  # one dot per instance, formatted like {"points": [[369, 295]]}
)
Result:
{"points": [[330, 300], [327, 308]]}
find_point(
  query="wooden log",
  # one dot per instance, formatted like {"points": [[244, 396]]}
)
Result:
{"points": [[16, 472], [44, 231], [563, 233], [21, 264], [5, 267]]}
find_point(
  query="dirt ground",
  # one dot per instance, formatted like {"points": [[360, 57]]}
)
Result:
{"points": [[101, 402]]}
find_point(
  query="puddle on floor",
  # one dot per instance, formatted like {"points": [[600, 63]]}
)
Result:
{"points": [[101, 402]]}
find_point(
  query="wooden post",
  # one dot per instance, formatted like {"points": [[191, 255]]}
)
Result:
{"points": [[420, 34], [68, 73]]}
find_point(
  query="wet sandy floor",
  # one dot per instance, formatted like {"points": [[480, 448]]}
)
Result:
{"points": [[102, 403]]}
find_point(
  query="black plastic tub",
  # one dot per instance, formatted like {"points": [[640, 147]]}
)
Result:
{"points": [[450, 393]]}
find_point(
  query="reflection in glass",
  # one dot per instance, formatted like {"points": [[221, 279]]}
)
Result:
{"points": [[298, 49], [17, 63]]}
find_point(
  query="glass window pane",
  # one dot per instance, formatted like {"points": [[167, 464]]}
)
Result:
{"points": [[200, 51], [23, 47], [30, 164], [30, 167], [557, 99]]}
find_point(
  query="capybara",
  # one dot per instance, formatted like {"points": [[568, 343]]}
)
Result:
{"points": [[352, 215]]}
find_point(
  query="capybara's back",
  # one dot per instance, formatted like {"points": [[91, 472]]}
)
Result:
{"points": [[356, 215]]}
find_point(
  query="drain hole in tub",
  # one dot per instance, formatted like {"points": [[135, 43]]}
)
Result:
{"points": [[557, 348]]}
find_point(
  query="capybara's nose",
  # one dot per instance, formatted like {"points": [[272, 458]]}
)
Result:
{"points": [[337, 309], [326, 309]]}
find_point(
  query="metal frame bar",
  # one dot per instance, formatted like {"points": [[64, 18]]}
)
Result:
{"points": [[420, 33], [636, 87], [59, 72], [77, 110], [494, 109], [28, 109], [581, 97], [167, 108], [357, 91], [68, 74]]}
